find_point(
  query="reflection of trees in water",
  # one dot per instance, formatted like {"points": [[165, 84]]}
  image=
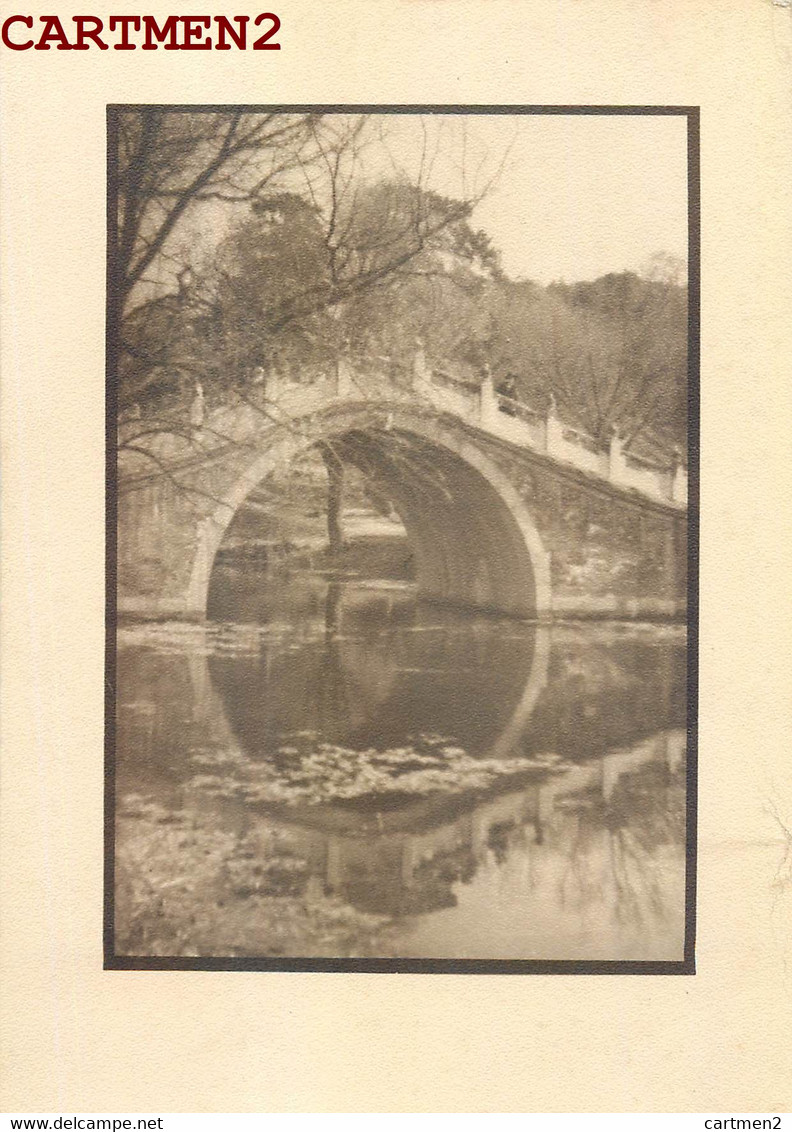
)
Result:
{"points": [[597, 847], [636, 884], [644, 816], [368, 673], [333, 693], [335, 592], [640, 824], [353, 674], [601, 836]]}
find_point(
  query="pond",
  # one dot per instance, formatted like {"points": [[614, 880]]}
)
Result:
{"points": [[332, 768]]}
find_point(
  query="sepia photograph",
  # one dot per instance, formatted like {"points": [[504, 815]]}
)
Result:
{"points": [[402, 419]]}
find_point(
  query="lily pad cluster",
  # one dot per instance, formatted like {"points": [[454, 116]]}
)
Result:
{"points": [[306, 771]]}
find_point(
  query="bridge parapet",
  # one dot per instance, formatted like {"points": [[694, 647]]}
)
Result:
{"points": [[481, 406], [493, 525]]}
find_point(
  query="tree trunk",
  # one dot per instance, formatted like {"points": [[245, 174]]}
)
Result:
{"points": [[335, 499]]}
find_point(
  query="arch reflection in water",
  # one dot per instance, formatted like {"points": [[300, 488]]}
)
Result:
{"points": [[434, 784], [573, 866], [370, 668]]}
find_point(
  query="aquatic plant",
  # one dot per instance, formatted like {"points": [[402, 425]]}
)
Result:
{"points": [[308, 772]]}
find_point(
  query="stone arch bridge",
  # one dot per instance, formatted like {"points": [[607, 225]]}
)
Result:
{"points": [[507, 510]]}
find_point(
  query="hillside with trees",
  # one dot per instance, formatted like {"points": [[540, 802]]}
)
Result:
{"points": [[311, 259]]}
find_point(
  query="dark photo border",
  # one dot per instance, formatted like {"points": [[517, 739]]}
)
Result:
{"points": [[685, 966]]}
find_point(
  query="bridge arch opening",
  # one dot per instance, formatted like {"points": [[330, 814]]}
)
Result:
{"points": [[472, 536]]}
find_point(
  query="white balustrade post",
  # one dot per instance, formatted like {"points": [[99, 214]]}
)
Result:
{"points": [[617, 462], [274, 386], [668, 476], [421, 375], [679, 483], [198, 407], [554, 434], [488, 403], [345, 381]]}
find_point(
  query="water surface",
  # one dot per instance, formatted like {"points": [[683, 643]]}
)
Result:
{"points": [[330, 768]]}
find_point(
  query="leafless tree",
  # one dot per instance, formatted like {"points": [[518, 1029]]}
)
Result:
{"points": [[306, 245], [167, 165]]}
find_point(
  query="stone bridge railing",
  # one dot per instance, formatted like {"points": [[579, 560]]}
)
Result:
{"points": [[482, 407]]}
